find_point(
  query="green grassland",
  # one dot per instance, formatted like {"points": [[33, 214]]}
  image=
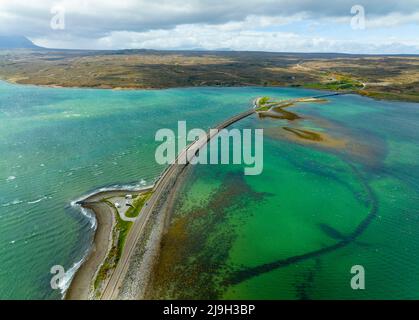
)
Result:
{"points": [[138, 204]]}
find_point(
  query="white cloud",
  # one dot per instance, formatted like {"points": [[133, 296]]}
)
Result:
{"points": [[270, 25], [239, 37]]}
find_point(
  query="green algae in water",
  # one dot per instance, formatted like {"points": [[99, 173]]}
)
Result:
{"points": [[295, 231]]}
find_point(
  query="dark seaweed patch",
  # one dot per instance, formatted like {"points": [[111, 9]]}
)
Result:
{"points": [[196, 246], [247, 273]]}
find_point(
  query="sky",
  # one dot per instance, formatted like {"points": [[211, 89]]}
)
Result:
{"points": [[349, 26]]}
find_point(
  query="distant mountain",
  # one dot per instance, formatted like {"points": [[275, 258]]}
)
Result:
{"points": [[16, 42]]}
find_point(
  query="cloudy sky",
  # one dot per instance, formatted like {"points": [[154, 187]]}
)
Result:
{"points": [[353, 26]]}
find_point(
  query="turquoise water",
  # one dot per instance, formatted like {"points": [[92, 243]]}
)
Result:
{"points": [[57, 145], [295, 231]]}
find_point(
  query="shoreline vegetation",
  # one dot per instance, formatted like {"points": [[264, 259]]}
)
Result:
{"points": [[265, 105], [334, 86], [379, 77]]}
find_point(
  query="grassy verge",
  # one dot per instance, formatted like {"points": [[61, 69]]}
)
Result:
{"points": [[262, 104], [389, 96], [265, 104], [335, 85], [138, 204], [119, 235], [339, 82]]}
